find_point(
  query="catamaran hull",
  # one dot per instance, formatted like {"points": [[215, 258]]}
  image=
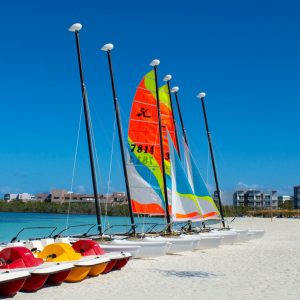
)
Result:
{"points": [[148, 249], [242, 235], [256, 234], [133, 250], [228, 237], [177, 244], [204, 242]]}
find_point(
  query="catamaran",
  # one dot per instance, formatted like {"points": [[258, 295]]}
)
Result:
{"points": [[207, 204], [148, 247], [151, 180], [159, 247]]}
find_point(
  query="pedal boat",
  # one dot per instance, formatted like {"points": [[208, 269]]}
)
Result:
{"points": [[90, 248], [83, 266], [22, 259]]}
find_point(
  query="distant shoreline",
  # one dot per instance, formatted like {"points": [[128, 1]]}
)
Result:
{"points": [[122, 209], [62, 208]]}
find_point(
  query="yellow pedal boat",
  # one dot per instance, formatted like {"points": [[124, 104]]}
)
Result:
{"points": [[83, 266]]}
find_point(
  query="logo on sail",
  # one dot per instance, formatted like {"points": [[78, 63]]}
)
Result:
{"points": [[143, 113]]}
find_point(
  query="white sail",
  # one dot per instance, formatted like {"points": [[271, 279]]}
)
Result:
{"points": [[184, 203], [207, 204]]}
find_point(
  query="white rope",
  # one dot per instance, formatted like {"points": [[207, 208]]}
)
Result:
{"points": [[74, 164]]}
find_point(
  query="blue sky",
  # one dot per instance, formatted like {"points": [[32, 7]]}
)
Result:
{"points": [[244, 54]]}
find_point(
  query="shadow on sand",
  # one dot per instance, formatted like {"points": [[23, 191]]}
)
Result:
{"points": [[187, 274]]}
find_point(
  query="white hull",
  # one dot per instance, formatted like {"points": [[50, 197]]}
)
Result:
{"points": [[177, 244], [242, 235], [229, 237], [256, 234], [205, 242], [148, 249], [133, 250]]}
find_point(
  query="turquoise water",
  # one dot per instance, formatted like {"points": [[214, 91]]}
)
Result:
{"points": [[12, 223]]}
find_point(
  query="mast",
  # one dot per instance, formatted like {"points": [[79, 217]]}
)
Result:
{"points": [[154, 64], [167, 79], [76, 28], [201, 97], [175, 90], [107, 48]]}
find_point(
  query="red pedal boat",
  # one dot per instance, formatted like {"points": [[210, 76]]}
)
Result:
{"points": [[90, 247], [22, 259]]}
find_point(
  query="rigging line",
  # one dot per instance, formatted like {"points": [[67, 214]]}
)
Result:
{"points": [[74, 164], [98, 116], [96, 158], [95, 155]]}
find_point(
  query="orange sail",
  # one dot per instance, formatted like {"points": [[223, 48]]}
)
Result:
{"points": [[145, 164]]}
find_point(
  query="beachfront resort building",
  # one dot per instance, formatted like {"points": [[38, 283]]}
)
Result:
{"points": [[285, 200], [43, 197], [297, 197], [255, 199], [61, 196], [24, 197], [226, 197]]}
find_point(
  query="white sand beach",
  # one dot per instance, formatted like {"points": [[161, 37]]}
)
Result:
{"points": [[267, 268]]}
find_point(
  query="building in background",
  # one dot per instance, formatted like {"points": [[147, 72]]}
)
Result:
{"points": [[58, 196], [239, 198], [287, 201], [255, 199], [226, 197], [43, 197], [24, 197], [297, 197], [249, 198], [61, 196], [270, 200], [10, 197]]}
